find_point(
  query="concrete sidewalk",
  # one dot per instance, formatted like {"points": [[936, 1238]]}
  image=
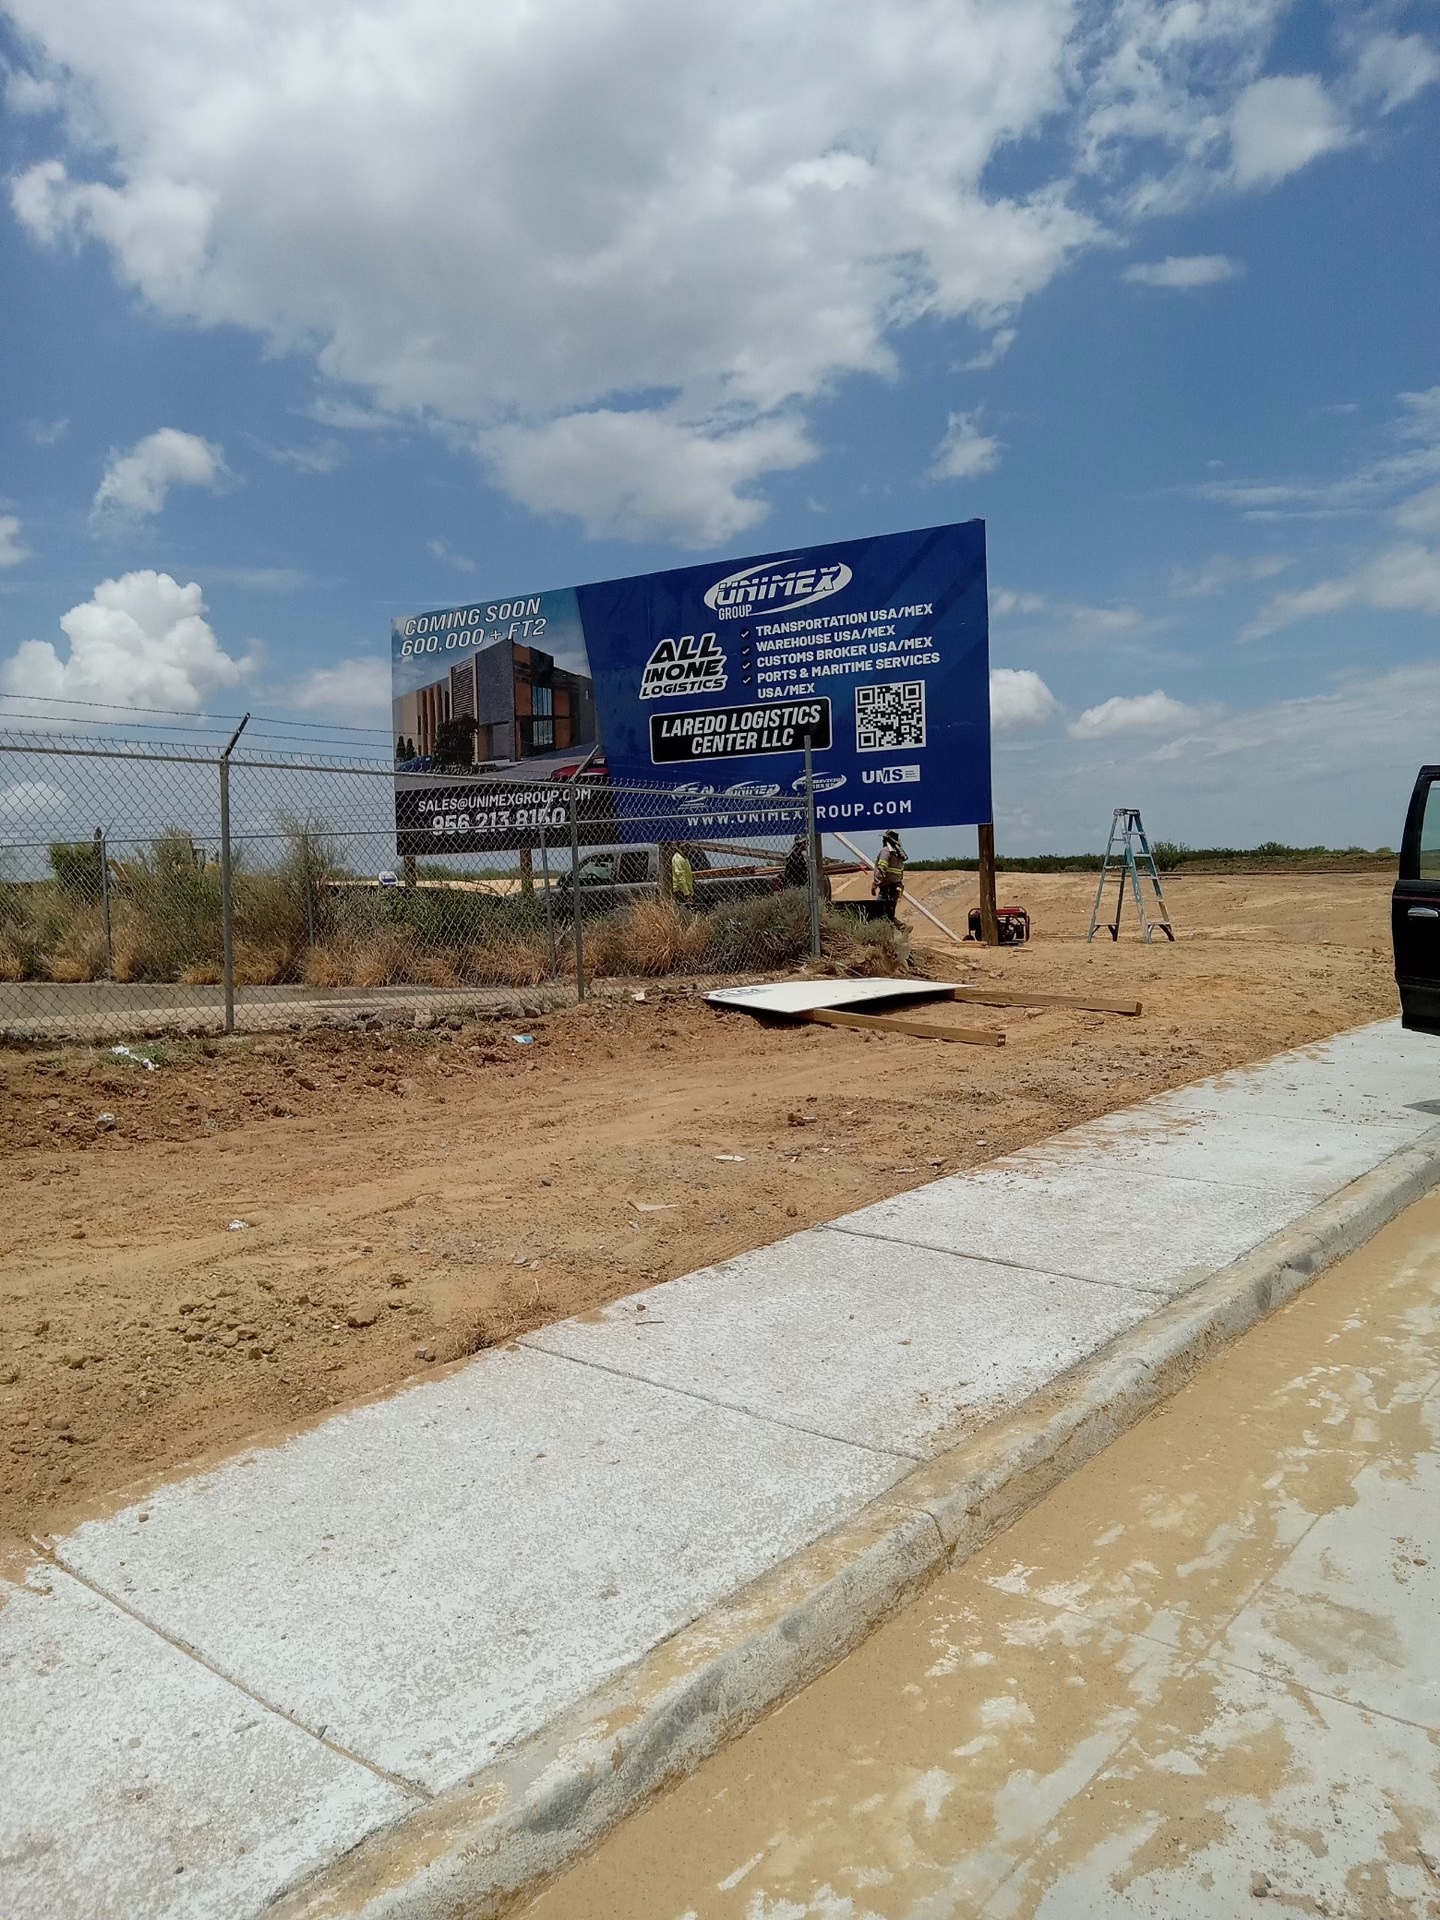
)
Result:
{"points": [[468, 1625]]}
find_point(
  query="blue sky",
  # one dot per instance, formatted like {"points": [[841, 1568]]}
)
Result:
{"points": [[325, 312]]}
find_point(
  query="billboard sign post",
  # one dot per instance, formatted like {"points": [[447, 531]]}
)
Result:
{"points": [[708, 681]]}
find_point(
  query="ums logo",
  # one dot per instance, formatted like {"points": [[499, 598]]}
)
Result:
{"points": [[775, 586], [686, 665]]}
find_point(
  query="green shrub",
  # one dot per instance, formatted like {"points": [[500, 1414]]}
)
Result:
{"points": [[76, 867]]}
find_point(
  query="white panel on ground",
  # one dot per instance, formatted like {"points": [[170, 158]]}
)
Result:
{"points": [[1145, 1231], [804, 996], [434, 1577], [137, 1782], [887, 1345]]}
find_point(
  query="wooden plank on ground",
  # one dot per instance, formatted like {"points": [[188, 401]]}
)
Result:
{"points": [[1014, 997], [896, 1023]]}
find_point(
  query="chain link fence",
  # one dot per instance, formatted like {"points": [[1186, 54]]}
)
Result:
{"points": [[146, 888]]}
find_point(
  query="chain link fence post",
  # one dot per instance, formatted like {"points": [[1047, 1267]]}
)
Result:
{"points": [[813, 856], [575, 914], [549, 903], [227, 902], [102, 854]]}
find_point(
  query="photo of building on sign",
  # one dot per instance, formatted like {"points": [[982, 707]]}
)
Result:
{"points": [[505, 703]]}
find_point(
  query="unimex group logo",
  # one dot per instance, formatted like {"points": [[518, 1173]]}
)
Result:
{"points": [[686, 665], [775, 586]]}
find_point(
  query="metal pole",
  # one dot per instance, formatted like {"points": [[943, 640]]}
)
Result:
{"points": [[575, 897], [812, 865], [989, 924], [104, 857], [227, 903], [549, 905]]}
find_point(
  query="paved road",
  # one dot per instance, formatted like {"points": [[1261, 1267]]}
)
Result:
{"points": [[1205, 1672]]}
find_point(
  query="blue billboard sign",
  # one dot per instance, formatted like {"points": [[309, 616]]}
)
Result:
{"points": [[709, 681]]}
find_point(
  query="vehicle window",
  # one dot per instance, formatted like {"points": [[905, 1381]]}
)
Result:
{"points": [[594, 872], [634, 866], [1430, 834]]}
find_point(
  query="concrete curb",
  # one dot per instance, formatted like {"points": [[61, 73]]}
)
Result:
{"points": [[474, 1853]]}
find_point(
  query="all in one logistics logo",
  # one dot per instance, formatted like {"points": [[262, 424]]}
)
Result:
{"points": [[686, 665], [776, 586]]}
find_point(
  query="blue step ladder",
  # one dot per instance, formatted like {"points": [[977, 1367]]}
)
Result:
{"points": [[1128, 856]]}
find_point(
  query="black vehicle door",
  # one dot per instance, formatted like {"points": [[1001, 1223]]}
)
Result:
{"points": [[1415, 908]]}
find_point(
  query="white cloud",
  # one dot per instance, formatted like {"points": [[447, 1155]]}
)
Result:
{"points": [[324, 457], [356, 691], [644, 474], [1420, 514], [1280, 125], [439, 551], [1182, 82], [141, 640], [965, 453], [1181, 272], [1421, 417], [12, 548], [1001, 342], [1224, 570], [31, 800], [710, 214], [1073, 623], [1334, 767], [260, 579], [1019, 698], [46, 433], [1402, 579], [346, 417], [1133, 713], [136, 483], [1100, 623], [1417, 458], [1004, 602], [707, 215], [1392, 69]]}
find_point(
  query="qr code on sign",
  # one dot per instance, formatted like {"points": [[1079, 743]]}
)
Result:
{"points": [[891, 714]]}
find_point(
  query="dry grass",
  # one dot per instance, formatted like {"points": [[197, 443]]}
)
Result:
{"points": [[79, 952], [290, 927], [651, 939]]}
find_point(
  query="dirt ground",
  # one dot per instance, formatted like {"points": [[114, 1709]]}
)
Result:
{"points": [[231, 1243]]}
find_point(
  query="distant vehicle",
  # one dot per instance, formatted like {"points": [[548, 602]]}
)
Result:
{"points": [[1415, 909], [615, 877], [388, 879]]}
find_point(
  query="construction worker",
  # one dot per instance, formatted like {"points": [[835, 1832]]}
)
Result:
{"points": [[682, 878], [888, 882], [796, 871]]}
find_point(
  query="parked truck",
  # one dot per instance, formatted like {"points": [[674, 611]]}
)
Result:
{"points": [[1415, 908], [614, 877]]}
